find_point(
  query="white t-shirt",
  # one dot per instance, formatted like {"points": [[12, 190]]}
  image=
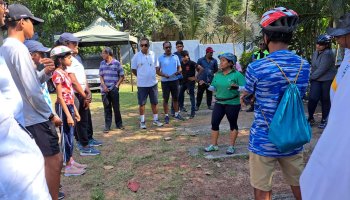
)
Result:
{"points": [[21, 161], [327, 173], [78, 69], [343, 69], [146, 68]]}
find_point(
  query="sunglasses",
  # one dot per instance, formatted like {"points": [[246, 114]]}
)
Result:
{"points": [[144, 45]]}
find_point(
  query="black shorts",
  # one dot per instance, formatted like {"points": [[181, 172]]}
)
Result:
{"points": [[170, 87], [144, 92], [46, 137]]}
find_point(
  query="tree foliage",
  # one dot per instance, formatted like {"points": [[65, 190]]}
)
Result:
{"points": [[315, 17]]}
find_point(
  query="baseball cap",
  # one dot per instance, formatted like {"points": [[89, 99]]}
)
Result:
{"points": [[228, 56], [343, 27], [68, 37], [35, 46], [209, 49], [19, 11]]}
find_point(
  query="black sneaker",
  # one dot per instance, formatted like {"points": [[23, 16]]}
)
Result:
{"points": [[60, 195], [121, 127], [210, 107], [192, 115], [323, 124], [197, 108]]}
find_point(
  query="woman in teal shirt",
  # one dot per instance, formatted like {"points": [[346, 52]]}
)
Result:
{"points": [[226, 84]]}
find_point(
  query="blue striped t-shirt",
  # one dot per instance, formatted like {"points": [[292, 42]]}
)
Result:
{"points": [[111, 73], [265, 79]]}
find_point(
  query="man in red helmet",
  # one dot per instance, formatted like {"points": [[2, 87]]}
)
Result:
{"points": [[265, 80]]}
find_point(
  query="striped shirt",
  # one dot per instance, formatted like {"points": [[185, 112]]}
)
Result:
{"points": [[265, 79], [111, 72]]}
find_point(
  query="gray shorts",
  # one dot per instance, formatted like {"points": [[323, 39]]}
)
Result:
{"points": [[143, 92]]}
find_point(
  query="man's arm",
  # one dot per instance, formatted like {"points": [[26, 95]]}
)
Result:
{"points": [[134, 65], [199, 70], [121, 79], [216, 68], [121, 75], [46, 73], [134, 71]]}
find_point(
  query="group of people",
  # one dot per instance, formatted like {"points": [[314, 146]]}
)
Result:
{"points": [[30, 146], [178, 74], [29, 143]]}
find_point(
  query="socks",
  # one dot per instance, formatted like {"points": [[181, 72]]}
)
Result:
{"points": [[176, 114], [155, 117], [142, 118]]}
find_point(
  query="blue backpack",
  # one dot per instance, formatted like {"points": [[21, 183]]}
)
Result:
{"points": [[289, 128]]}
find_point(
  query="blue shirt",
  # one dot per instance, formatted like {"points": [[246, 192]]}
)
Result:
{"points": [[111, 72], [168, 65], [209, 69], [265, 79]]}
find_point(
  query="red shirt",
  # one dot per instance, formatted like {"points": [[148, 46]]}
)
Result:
{"points": [[61, 77]]}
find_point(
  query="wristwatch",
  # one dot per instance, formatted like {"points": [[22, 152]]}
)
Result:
{"points": [[51, 116]]}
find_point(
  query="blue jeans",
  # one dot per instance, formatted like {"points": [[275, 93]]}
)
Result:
{"points": [[111, 100], [67, 132], [190, 86]]}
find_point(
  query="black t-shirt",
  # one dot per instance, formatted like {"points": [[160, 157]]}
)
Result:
{"points": [[188, 69]]}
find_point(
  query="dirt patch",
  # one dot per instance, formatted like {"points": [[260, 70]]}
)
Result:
{"points": [[164, 169]]}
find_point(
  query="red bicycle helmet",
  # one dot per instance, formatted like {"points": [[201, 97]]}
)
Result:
{"points": [[279, 19]]}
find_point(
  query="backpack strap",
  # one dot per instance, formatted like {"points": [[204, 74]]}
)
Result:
{"points": [[295, 80], [297, 76]]}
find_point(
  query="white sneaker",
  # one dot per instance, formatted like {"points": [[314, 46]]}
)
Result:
{"points": [[73, 171], [143, 125], [157, 123]]}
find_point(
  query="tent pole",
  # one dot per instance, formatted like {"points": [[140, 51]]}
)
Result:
{"points": [[132, 82]]}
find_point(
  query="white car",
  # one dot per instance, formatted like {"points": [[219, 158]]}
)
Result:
{"points": [[92, 65], [93, 79]]}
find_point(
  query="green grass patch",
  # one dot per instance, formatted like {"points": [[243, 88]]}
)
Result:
{"points": [[97, 194]]}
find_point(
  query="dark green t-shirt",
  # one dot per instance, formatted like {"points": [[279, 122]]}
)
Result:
{"points": [[222, 84]]}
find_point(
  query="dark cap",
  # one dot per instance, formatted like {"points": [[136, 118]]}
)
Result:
{"points": [[209, 49], [19, 11], [68, 37], [343, 27], [35, 46]]}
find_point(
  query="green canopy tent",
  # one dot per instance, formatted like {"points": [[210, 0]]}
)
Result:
{"points": [[101, 33]]}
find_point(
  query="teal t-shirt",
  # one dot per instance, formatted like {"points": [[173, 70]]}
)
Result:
{"points": [[222, 84]]}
